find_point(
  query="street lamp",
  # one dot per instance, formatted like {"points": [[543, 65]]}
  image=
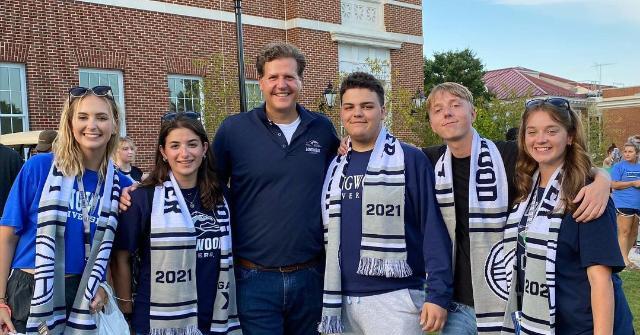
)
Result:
{"points": [[240, 49], [418, 100], [329, 96]]}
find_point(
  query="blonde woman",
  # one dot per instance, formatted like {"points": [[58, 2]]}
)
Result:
{"points": [[124, 158], [59, 222]]}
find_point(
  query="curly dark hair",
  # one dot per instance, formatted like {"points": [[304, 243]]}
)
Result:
{"points": [[363, 80]]}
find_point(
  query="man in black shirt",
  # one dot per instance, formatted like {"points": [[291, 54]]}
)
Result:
{"points": [[9, 168], [451, 114]]}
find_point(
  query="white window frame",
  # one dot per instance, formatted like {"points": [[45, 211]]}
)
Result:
{"points": [[23, 90], [200, 79], [119, 98], [257, 83]]}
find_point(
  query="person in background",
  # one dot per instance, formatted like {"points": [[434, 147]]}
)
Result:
{"points": [[10, 164], [125, 156], [45, 139], [613, 156], [625, 181], [59, 222], [564, 280], [512, 134]]}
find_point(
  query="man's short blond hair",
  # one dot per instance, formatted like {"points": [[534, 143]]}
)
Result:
{"points": [[456, 89]]}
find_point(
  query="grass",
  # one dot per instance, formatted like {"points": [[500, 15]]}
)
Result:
{"points": [[631, 286]]}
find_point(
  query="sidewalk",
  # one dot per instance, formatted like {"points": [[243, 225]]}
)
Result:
{"points": [[634, 255]]}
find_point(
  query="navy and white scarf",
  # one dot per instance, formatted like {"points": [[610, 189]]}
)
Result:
{"points": [[488, 211], [538, 305], [48, 311], [383, 246], [174, 296]]}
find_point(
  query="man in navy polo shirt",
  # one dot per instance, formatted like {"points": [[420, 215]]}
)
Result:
{"points": [[274, 158]]}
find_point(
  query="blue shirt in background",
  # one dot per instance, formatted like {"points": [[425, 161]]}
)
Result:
{"points": [[630, 196], [21, 212], [428, 242]]}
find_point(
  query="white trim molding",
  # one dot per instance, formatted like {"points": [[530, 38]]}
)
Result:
{"points": [[342, 33], [621, 102]]}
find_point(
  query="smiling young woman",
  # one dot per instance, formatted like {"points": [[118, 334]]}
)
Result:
{"points": [[59, 215], [178, 223], [565, 272]]}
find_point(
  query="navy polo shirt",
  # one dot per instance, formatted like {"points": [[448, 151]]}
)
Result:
{"points": [[275, 186]]}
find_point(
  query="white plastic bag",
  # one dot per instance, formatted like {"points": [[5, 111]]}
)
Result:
{"points": [[110, 320]]}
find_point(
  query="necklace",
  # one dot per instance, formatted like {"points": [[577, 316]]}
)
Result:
{"points": [[192, 202]]}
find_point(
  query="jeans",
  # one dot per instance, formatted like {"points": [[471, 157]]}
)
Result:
{"points": [[461, 320], [279, 303]]}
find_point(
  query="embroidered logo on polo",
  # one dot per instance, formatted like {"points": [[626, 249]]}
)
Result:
{"points": [[313, 147], [496, 274]]}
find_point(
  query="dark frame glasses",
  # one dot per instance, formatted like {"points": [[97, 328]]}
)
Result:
{"points": [[99, 91], [557, 102], [170, 116]]}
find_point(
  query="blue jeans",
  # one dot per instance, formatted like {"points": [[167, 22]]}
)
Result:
{"points": [[461, 320], [279, 303]]}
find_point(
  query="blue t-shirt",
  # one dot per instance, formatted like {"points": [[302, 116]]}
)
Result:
{"points": [[21, 212], [581, 245], [133, 234], [428, 243], [630, 196]]}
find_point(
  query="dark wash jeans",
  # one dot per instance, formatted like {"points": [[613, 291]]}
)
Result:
{"points": [[274, 303]]}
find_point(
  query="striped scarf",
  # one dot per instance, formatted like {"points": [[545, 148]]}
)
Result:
{"points": [[48, 311], [538, 309], [383, 246], [488, 210], [174, 297]]}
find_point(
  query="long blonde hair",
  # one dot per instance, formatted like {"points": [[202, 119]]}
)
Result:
{"points": [[66, 151], [577, 163]]}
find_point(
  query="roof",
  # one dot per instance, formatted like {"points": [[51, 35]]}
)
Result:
{"points": [[523, 82]]}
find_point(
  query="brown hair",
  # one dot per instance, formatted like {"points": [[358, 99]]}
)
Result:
{"points": [[454, 88], [577, 163], [67, 153], [208, 183], [278, 50]]}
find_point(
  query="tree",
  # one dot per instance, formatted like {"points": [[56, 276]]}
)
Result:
{"points": [[462, 67]]}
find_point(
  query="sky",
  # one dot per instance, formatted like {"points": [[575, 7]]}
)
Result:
{"points": [[566, 38]]}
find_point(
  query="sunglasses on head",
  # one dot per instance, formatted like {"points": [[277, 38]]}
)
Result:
{"points": [[557, 102], [173, 115], [99, 91]]}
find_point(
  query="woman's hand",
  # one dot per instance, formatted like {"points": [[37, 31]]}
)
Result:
{"points": [[99, 301], [6, 327]]}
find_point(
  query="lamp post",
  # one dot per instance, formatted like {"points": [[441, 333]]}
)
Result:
{"points": [[329, 97], [240, 46], [418, 100]]}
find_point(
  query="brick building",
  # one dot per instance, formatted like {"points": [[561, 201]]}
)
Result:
{"points": [[620, 109], [158, 55]]}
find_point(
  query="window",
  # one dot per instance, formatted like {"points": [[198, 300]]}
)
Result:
{"points": [[13, 99], [94, 77], [254, 95], [185, 94], [363, 58]]}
